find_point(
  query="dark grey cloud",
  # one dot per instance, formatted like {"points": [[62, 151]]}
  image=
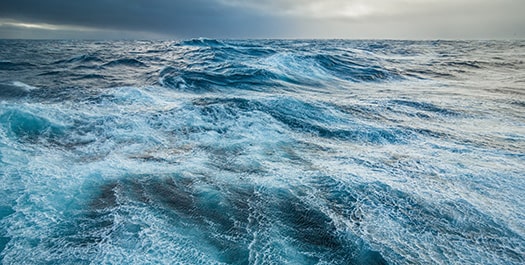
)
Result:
{"points": [[401, 19], [178, 18]]}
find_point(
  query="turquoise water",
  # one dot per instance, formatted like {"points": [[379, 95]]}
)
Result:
{"points": [[262, 152]]}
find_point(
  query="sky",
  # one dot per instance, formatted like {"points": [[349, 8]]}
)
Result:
{"points": [[310, 19]]}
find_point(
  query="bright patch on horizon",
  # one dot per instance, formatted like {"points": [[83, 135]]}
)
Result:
{"points": [[43, 26], [336, 8]]}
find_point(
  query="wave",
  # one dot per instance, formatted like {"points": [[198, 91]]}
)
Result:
{"points": [[25, 125], [50, 73], [10, 66], [80, 59], [91, 76], [345, 68], [225, 76], [305, 118], [203, 42], [15, 89], [129, 62], [355, 203], [277, 70], [233, 222], [424, 106]]}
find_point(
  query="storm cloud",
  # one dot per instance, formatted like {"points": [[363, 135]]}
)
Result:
{"points": [[177, 18], [402, 19]]}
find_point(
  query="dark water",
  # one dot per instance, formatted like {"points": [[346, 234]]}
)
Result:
{"points": [[262, 152]]}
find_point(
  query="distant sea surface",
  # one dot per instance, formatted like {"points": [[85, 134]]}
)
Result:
{"points": [[262, 152]]}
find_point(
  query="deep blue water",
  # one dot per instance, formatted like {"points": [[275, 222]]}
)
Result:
{"points": [[262, 152]]}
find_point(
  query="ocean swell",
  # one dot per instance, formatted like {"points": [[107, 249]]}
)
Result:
{"points": [[261, 152]]}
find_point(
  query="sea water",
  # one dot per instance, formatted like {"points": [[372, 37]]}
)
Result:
{"points": [[262, 152]]}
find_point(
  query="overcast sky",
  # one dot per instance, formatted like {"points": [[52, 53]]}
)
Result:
{"points": [[178, 19]]}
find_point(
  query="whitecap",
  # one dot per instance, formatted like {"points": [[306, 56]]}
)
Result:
{"points": [[25, 87]]}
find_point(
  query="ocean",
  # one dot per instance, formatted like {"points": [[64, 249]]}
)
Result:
{"points": [[211, 151]]}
